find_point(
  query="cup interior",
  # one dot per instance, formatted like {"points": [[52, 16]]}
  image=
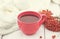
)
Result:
{"points": [[32, 13]]}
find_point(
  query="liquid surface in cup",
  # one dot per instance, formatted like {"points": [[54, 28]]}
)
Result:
{"points": [[29, 18]]}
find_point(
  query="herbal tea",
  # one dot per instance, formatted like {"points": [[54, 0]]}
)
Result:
{"points": [[29, 18]]}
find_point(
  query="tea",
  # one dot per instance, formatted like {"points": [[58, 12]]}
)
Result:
{"points": [[29, 18]]}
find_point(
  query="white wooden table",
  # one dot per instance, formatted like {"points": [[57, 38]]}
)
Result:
{"points": [[46, 34], [20, 35]]}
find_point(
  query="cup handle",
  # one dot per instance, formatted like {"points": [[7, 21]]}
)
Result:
{"points": [[43, 18]]}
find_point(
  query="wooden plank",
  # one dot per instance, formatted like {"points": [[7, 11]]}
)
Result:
{"points": [[49, 34], [20, 35]]}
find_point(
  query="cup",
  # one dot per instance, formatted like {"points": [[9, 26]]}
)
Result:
{"points": [[32, 27]]}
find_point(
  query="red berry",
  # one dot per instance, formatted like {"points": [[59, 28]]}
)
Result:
{"points": [[51, 23]]}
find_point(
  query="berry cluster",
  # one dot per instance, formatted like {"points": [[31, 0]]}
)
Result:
{"points": [[51, 23]]}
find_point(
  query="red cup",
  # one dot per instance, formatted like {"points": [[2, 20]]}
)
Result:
{"points": [[30, 28]]}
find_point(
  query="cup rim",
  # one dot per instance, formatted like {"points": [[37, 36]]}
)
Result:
{"points": [[40, 17]]}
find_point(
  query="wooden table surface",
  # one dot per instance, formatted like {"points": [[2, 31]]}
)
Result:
{"points": [[46, 34]]}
